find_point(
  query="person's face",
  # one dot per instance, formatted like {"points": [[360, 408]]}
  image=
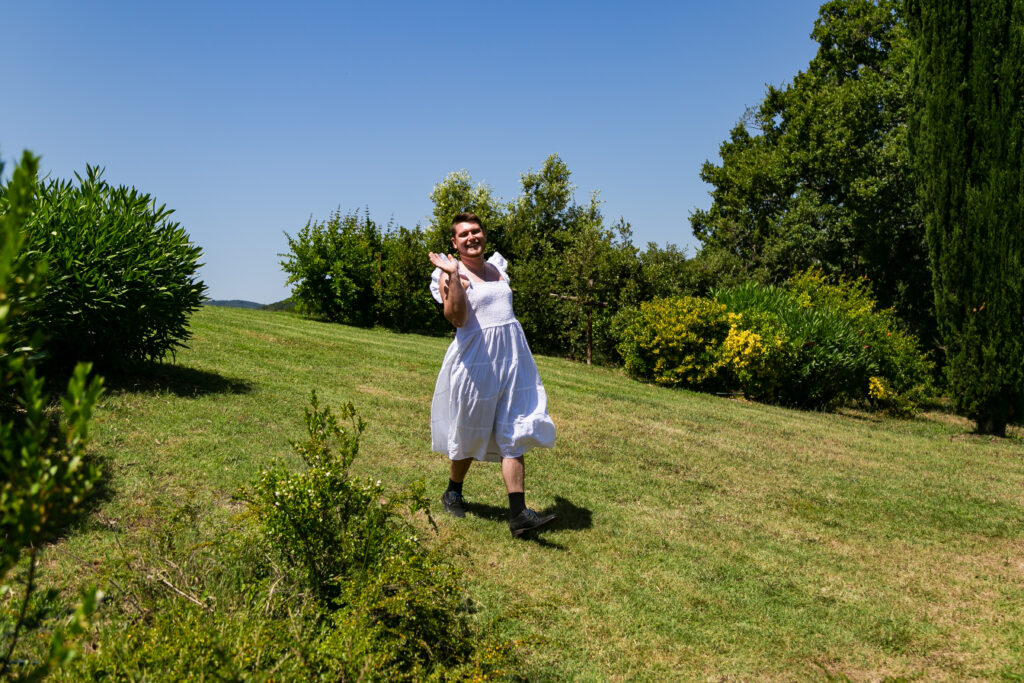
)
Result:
{"points": [[469, 239]]}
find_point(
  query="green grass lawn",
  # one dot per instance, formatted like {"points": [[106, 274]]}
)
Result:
{"points": [[698, 537]]}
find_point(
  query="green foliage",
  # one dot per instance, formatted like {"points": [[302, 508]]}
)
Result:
{"points": [[675, 341], [812, 344], [347, 270], [759, 355], [398, 605], [968, 147], [45, 471], [818, 174], [327, 524], [829, 341], [404, 302], [564, 262], [121, 278], [333, 266], [455, 194], [323, 579], [664, 272], [894, 352]]}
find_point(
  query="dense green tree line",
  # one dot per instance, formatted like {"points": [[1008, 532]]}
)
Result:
{"points": [[565, 264], [818, 175]]}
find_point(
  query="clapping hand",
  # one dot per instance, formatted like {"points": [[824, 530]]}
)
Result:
{"points": [[445, 263]]}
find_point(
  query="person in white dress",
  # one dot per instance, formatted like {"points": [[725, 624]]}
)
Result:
{"points": [[489, 403]]}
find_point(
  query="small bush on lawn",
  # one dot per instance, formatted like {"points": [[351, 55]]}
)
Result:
{"points": [[325, 578], [675, 341], [122, 276]]}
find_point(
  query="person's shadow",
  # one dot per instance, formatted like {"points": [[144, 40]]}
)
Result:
{"points": [[569, 517]]}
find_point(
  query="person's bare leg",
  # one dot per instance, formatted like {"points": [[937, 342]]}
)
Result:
{"points": [[459, 469], [521, 518], [513, 471]]}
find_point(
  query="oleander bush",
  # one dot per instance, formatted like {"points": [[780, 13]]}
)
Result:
{"points": [[832, 362], [121, 279]]}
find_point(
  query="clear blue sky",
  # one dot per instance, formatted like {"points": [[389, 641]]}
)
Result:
{"points": [[249, 118]]}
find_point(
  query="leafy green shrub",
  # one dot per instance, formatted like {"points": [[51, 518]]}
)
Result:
{"points": [[814, 344], [325, 523], [675, 341], [122, 276], [894, 353], [831, 362], [404, 303], [333, 267], [45, 471], [397, 605], [758, 354], [322, 579], [832, 342]]}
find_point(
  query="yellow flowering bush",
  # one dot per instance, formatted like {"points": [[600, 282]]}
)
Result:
{"points": [[883, 398], [812, 344], [675, 341], [757, 354]]}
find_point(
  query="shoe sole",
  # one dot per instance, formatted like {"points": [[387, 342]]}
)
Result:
{"points": [[519, 532]]}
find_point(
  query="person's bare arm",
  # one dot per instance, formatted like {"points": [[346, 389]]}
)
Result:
{"points": [[453, 294]]}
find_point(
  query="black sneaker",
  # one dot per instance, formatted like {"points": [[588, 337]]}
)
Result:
{"points": [[527, 520], [452, 501]]}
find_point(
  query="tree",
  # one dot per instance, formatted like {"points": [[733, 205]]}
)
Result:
{"points": [[562, 258], [455, 194], [968, 145], [404, 302], [819, 176], [334, 268]]}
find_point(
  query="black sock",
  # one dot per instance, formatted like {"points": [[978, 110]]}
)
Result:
{"points": [[455, 486], [516, 503]]}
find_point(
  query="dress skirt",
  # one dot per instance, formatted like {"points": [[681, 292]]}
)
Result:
{"points": [[489, 401]]}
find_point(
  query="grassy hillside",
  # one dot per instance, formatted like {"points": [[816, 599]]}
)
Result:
{"points": [[698, 536]]}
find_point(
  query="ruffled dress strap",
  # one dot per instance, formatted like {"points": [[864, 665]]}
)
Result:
{"points": [[499, 262], [435, 281], [496, 260]]}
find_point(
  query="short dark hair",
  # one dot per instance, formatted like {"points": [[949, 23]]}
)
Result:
{"points": [[466, 217]]}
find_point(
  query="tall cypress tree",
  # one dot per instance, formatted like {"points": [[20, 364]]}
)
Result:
{"points": [[967, 141]]}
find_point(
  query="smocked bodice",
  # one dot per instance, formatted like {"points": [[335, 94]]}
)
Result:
{"points": [[490, 305]]}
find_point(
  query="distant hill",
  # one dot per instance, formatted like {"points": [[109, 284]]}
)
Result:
{"points": [[285, 305], [234, 303]]}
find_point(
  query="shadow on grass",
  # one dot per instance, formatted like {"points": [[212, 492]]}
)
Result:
{"points": [[175, 379], [570, 517]]}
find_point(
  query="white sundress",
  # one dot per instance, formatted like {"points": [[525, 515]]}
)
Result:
{"points": [[489, 402]]}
